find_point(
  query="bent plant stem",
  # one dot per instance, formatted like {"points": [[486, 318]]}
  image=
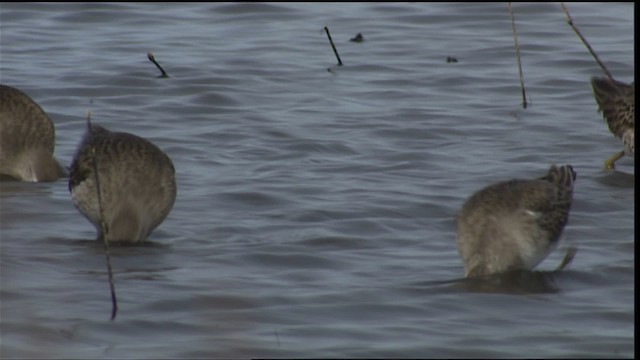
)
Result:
{"points": [[584, 41], [153, 60], [515, 39], [103, 224]]}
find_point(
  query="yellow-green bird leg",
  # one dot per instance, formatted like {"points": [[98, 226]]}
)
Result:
{"points": [[609, 164]]}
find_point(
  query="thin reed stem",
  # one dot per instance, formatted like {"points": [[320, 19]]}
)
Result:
{"points": [[103, 224], [326, 29], [515, 39], [584, 41]]}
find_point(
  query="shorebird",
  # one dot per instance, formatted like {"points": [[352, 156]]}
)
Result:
{"points": [[514, 225], [27, 139], [136, 180], [617, 102]]}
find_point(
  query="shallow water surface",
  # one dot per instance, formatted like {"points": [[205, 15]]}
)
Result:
{"points": [[316, 203]]}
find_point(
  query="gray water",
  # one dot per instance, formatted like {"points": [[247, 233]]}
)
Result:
{"points": [[316, 203]]}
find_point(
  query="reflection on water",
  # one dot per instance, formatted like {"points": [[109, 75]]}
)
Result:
{"points": [[515, 282]]}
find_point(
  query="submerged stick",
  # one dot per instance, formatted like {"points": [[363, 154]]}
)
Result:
{"points": [[515, 39], [103, 224], [571, 252], [326, 29], [153, 60], [584, 41]]}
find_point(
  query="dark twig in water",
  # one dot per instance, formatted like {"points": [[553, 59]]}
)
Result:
{"points": [[103, 224], [515, 38], [571, 252], [584, 41], [358, 38], [153, 60], [326, 29]]}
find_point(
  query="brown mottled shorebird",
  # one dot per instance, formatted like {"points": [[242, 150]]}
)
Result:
{"points": [[27, 139], [617, 102], [136, 179], [514, 225]]}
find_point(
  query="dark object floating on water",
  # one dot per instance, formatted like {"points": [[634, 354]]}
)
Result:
{"points": [[358, 38], [451, 59]]}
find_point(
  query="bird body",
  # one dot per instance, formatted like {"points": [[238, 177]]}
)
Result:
{"points": [[617, 102], [514, 224], [136, 180], [27, 139]]}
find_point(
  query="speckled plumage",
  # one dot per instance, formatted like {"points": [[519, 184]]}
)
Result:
{"points": [[137, 183], [27, 139], [617, 102], [514, 224]]}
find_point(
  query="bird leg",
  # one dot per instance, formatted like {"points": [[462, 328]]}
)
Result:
{"points": [[571, 252], [609, 163]]}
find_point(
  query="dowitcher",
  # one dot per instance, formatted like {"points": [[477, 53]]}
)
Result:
{"points": [[136, 179], [514, 225], [617, 102], [27, 139]]}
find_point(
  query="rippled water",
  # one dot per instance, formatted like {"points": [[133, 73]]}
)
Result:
{"points": [[316, 203]]}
